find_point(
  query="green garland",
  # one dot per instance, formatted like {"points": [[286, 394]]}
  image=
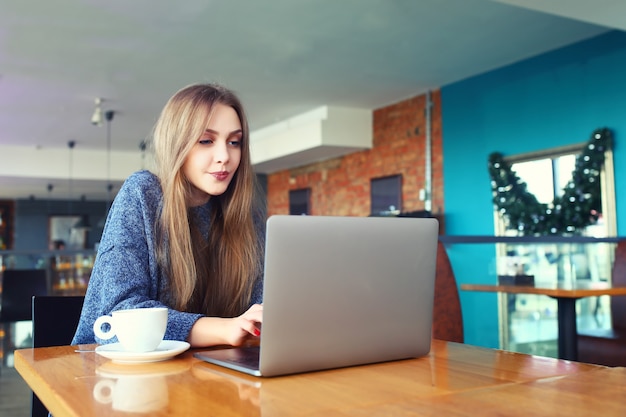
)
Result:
{"points": [[577, 208]]}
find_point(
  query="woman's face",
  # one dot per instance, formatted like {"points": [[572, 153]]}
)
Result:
{"points": [[213, 160]]}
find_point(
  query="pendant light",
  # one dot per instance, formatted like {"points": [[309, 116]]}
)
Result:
{"points": [[83, 224], [96, 118], [108, 116], [50, 187], [142, 148], [70, 178]]}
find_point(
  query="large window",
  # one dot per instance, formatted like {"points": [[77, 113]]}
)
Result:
{"points": [[528, 322]]}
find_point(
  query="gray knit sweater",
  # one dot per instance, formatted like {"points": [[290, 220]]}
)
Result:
{"points": [[125, 273]]}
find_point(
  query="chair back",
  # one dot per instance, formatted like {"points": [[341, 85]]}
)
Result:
{"points": [[55, 319], [18, 287], [447, 315], [618, 303]]}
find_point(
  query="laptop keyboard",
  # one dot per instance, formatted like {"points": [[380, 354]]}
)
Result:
{"points": [[248, 356]]}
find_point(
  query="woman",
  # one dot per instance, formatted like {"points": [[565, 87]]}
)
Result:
{"points": [[189, 237]]}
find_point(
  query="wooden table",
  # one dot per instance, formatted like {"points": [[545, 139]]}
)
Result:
{"points": [[451, 380], [566, 296]]}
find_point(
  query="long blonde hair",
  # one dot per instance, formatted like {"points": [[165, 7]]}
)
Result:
{"points": [[213, 277]]}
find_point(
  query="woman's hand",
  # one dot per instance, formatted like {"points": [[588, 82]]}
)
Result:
{"points": [[211, 331], [246, 326]]}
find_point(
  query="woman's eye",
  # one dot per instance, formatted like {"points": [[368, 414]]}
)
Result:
{"points": [[235, 140], [205, 141]]}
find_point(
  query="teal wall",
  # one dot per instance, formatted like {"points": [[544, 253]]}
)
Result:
{"points": [[551, 100]]}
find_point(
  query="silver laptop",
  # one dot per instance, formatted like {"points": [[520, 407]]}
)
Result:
{"points": [[341, 291]]}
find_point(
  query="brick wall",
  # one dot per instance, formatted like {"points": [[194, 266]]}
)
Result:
{"points": [[341, 186]]}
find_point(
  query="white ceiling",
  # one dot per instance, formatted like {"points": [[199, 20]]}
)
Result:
{"points": [[283, 57]]}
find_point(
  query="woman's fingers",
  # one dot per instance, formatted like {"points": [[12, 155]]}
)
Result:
{"points": [[254, 313], [254, 330], [254, 316]]}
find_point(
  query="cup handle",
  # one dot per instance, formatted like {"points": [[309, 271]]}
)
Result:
{"points": [[97, 327], [103, 391]]}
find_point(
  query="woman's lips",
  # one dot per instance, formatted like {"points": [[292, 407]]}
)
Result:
{"points": [[221, 175]]}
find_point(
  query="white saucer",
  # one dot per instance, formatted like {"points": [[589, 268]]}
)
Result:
{"points": [[167, 349]]}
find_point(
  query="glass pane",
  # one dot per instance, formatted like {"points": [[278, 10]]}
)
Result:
{"points": [[538, 178], [563, 168]]}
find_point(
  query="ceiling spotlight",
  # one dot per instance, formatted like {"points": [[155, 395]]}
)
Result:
{"points": [[97, 117]]}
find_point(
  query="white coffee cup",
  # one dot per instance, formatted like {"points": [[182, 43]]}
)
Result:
{"points": [[137, 329]]}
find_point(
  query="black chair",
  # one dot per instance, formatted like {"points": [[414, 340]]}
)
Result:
{"points": [[55, 319], [18, 287]]}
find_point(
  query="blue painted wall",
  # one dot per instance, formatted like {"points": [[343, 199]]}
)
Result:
{"points": [[551, 100]]}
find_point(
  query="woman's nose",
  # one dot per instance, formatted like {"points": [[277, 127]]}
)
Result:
{"points": [[221, 153]]}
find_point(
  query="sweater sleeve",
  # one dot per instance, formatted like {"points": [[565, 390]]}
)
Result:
{"points": [[126, 274]]}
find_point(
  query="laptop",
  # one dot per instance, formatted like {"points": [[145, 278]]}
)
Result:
{"points": [[341, 291]]}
